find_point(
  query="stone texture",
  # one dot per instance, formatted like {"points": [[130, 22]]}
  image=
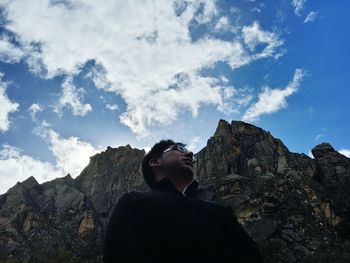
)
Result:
{"points": [[295, 207]]}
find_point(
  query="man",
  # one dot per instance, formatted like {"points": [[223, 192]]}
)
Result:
{"points": [[172, 222]]}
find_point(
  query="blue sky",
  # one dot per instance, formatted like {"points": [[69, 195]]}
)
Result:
{"points": [[77, 76]]}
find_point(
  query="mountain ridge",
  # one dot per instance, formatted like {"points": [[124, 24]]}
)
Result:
{"points": [[293, 206]]}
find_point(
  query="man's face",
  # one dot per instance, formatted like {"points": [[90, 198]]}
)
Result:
{"points": [[176, 161]]}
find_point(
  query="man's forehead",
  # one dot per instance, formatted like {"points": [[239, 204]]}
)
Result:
{"points": [[175, 144], [171, 146]]}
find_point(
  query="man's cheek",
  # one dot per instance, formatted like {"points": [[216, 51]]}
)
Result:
{"points": [[174, 163]]}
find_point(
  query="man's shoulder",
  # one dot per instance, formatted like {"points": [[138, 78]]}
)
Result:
{"points": [[201, 194], [140, 196], [135, 196]]}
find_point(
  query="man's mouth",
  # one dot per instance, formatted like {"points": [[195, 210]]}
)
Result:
{"points": [[189, 162]]}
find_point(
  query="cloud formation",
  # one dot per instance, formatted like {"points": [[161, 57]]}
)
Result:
{"points": [[15, 166], [319, 136], [72, 98], [7, 106], [272, 100], [310, 17], [144, 52], [298, 6], [9, 53], [71, 156], [34, 109], [112, 107], [254, 36]]}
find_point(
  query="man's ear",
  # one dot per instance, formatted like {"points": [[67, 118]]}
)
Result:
{"points": [[154, 162]]}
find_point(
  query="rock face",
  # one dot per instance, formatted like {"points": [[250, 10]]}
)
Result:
{"points": [[63, 220], [285, 200], [295, 207], [333, 174]]}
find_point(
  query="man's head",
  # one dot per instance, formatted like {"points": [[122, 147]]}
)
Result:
{"points": [[168, 159]]}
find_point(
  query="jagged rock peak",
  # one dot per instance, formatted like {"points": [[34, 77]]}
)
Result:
{"points": [[109, 148], [276, 194], [244, 127], [223, 128], [127, 149], [30, 182], [322, 149], [65, 180], [68, 176]]}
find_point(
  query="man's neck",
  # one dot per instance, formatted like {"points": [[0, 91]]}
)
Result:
{"points": [[179, 184], [183, 191]]}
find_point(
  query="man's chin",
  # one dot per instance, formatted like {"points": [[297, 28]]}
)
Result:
{"points": [[185, 171], [189, 173]]}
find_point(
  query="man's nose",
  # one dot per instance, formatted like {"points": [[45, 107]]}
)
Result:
{"points": [[191, 155]]}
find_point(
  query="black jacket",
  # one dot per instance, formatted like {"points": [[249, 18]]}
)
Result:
{"points": [[167, 226]]}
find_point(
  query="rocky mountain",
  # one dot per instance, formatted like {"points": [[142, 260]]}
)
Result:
{"points": [[296, 208]]}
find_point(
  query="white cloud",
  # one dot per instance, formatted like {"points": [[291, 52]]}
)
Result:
{"points": [[72, 154], [146, 148], [254, 36], [194, 144], [345, 152], [72, 98], [16, 166], [222, 23], [298, 6], [319, 136], [272, 100], [6, 108], [310, 17], [34, 109], [144, 52], [9, 53], [234, 10], [310, 155], [256, 9], [112, 107]]}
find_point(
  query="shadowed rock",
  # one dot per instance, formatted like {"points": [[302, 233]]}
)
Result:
{"points": [[295, 207]]}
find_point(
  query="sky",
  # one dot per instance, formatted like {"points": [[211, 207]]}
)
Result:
{"points": [[78, 76]]}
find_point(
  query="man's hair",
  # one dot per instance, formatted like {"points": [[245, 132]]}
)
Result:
{"points": [[155, 152]]}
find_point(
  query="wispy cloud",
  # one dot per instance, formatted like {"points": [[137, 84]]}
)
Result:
{"points": [[310, 111], [7, 106], [72, 154], [310, 17], [298, 6], [258, 8], [319, 136], [112, 107], [272, 100], [310, 154], [254, 36], [16, 166], [9, 53], [34, 109], [222, 24], [72, 98], [144, 53], [194, 144]]}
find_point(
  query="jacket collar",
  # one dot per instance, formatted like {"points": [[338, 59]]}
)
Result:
{"points": [[166, 185]]}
